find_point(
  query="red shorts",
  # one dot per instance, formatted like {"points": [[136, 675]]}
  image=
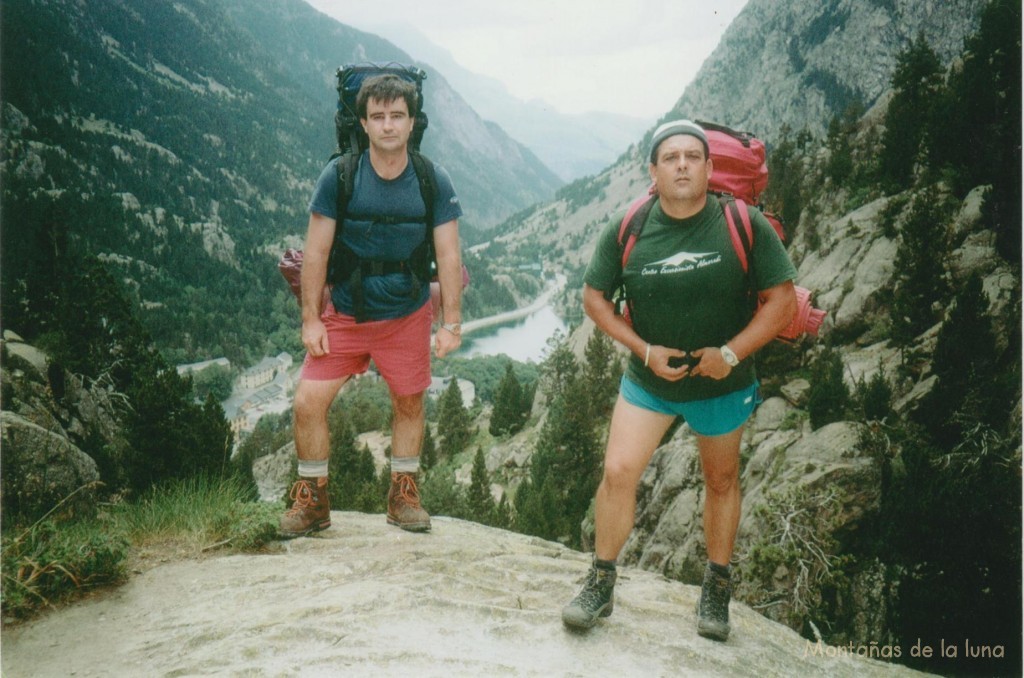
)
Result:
{"points": [[400, 349]]}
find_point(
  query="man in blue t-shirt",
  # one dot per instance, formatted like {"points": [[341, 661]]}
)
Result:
{"points": [[692, 340], [384, 316]]}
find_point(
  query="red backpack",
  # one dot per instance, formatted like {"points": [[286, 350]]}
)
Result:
{"points": [[739, 178]]}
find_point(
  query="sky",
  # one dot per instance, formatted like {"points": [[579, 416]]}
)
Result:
{"points": [[633, 57]]}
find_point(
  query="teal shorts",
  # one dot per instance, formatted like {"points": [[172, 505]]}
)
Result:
{"points": [[711, 417]]}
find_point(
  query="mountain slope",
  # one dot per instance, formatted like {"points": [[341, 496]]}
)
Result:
{"points": [[495, 176], [180, 142], [799, 64]]}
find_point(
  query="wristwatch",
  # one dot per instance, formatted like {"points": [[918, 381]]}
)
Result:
{"points": [[454, 328], [728, 356]]}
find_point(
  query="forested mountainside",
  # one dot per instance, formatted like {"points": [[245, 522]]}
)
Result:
{"points": [[179, 142]]}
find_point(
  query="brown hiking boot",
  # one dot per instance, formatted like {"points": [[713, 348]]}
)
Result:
{"points": [[404, 508], [310, 511]]}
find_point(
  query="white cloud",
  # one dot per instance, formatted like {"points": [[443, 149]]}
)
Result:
{"points": [[622, 56]]}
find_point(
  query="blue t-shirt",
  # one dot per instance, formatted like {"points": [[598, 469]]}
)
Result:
{"points": [[391, 295]]}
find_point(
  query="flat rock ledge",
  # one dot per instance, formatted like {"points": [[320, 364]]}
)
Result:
{"points": [[366, 599]]}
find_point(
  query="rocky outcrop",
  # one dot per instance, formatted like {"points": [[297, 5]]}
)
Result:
{"points": [[42, 468], [798, 64], [365, 599], [273, 471], [50, 417]]}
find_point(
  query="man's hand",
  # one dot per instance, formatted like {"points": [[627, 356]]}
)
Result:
{"points": [[711, 365], [445, 342], [314, 337], [668, 363]]}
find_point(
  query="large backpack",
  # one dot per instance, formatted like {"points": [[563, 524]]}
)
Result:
{"points": [[740, 176], [350, 133], [343, 264]]}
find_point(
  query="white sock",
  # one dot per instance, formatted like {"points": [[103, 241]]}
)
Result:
{"points": [[312, 468], [405, 464]]}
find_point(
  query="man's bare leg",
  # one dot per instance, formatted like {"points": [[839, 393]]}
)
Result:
{"points": [[311, 508], [407, 425], [634, 435], [632, 440], [407, 422], [720, 461], [309, 412]]}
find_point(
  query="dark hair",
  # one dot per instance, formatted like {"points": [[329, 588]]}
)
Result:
{"points": [[386, 88]]}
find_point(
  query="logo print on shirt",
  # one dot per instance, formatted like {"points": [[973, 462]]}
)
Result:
{"points": [[681, 262]]}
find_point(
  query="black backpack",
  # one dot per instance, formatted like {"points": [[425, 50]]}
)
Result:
{"points": [[344, 265]]}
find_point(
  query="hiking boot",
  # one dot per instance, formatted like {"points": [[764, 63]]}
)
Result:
{"points": [[310, 511], [404, 508], [595, 599], [713, 608]]}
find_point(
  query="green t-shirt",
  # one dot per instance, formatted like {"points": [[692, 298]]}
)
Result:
{"points": [[687, 289]]}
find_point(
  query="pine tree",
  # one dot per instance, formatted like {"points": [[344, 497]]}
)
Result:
{"points": [[968, 390], [841, 130], [978, 121], [566, 464], [508, 415], [874, 396], [481, 503], [916, 82], [428, 451], [368, 498], [503, 513], [452, 421], [559, 366], [537, 510], [920, 282], [343, 462], [784, 195], [601, 372], [828, 396]]}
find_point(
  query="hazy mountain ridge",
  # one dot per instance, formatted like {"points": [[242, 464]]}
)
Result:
{"points": [[573, 145]]}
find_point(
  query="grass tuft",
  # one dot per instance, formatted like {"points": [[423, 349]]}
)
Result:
{"points": [[55, 560]]}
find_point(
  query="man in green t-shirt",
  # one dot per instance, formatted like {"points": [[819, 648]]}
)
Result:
{"points": [[692, 335]]}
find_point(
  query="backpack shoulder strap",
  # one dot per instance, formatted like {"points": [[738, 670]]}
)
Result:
{"points": [[426, 175], [633, 223], [741, 231], [348, 163]]}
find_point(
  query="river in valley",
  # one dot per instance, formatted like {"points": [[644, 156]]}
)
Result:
{"points": [[524, 339]]}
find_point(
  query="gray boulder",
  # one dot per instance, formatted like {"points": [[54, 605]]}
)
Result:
{"points": [[42, 469]]}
